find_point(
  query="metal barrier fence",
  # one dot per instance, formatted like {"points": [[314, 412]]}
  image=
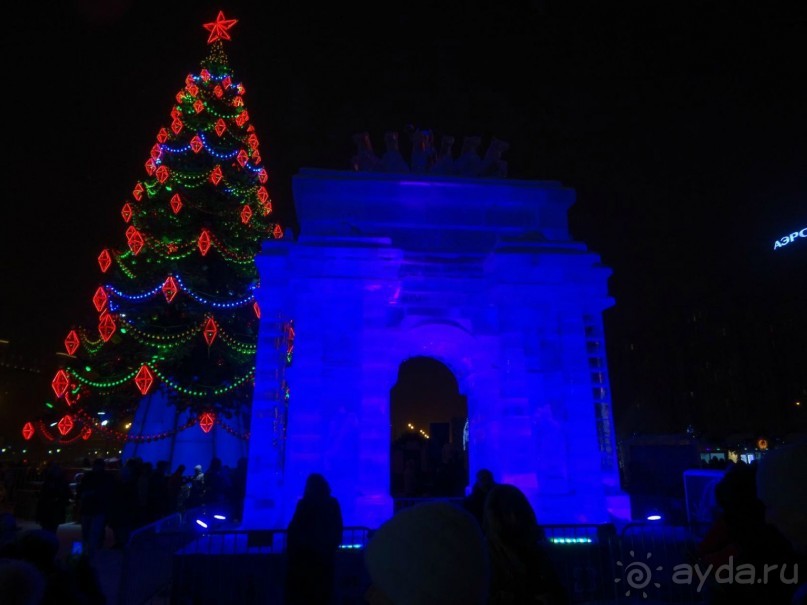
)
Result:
{"points": [[148, 557], [216, 565]]}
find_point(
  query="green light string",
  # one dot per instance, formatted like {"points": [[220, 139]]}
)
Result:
{"points": [[191, 181], [119, 258], [189, 247], [103, 385], [205, 393], [239, 346], [241, 259], [208, 108], [91, 346], [168, 342]]}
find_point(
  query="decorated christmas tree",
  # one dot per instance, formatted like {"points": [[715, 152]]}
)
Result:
{"points": [[167, 371]]}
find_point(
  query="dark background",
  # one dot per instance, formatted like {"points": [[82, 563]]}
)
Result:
{"points": [[680, 125]]}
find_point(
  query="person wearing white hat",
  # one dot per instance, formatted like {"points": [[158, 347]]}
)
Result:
{"points": [[430, 554]]}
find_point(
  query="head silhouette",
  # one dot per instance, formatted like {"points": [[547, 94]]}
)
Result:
{"points": [[316, 487]]}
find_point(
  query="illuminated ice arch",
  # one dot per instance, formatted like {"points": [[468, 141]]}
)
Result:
{"points": [[479, 274]]}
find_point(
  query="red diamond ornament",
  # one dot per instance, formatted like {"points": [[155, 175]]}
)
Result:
{"points": [[144, 379], [126, 212], [104, 260], [71, 342], [28, 431], [210, 331], [65, 425], [170, 289], [176, 203], [204, 242], [99, 299], [206, 421], [60, 383], [106, 327]]}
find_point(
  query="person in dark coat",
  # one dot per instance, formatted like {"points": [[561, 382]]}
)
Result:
{"points": [[474, 503], [54, 497], [521, 570], [314, 535], [95, 493]]}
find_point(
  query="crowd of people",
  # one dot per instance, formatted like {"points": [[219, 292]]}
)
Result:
{"points": [[487, 550]]}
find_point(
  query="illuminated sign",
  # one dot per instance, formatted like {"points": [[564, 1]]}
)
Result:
{"points": [[789, 239]]}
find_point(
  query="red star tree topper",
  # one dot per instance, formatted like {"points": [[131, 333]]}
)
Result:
{"points": [[219, 28]]}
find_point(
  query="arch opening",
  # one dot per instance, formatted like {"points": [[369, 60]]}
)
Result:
{"points": [[428, 421]]}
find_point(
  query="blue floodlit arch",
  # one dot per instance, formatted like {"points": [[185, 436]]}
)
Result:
{"points": [[480, 274]]}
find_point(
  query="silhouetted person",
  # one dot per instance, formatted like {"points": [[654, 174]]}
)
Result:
{"points": [[21, 583], [74, 582], [314, 535], [430, 554], [782, 487], [474, 503], [239, 489], [741, 536], [95, 496], [196, 495], [175, 482], [158, 506], [54, 497], [521, 571]]}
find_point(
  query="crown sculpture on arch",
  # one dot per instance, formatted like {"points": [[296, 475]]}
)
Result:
{"points": [[426, 158]]}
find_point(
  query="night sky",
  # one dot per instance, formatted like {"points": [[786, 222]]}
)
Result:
{"points": [[682, 128]]}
